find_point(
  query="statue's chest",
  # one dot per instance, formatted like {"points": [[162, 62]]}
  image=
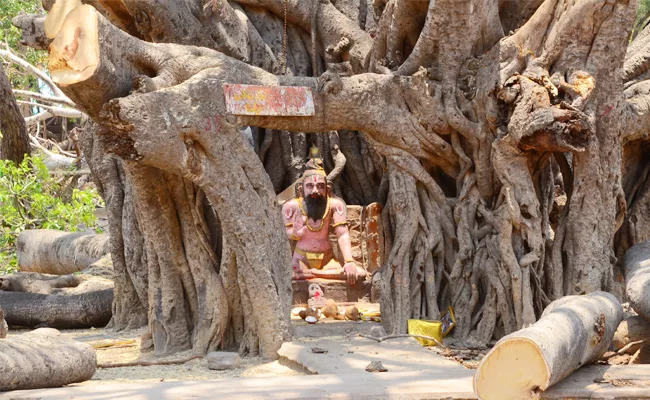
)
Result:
{"points": [[319, 228]]}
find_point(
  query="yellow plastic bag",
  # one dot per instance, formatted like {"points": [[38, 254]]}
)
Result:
{"points": [[434, 328]]}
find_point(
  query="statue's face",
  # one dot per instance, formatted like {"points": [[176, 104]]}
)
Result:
{"points": [[314, 186]]}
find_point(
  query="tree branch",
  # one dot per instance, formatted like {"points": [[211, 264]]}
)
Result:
{"points": [[36, 118], [332, 26], [33, 30], [8, 54], [56, 111], [43, 97]]}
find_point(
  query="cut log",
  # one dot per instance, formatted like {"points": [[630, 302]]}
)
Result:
{"points": [[42, 359], [33, 282], [573, 331], [4, 329], [84, 310], [58, 12], [59, 253], [632, 329], [637, 278]]}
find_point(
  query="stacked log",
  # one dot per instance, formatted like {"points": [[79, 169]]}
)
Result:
{"points": [[86, 310], [4, 329], [59, 253], [636, 330]]}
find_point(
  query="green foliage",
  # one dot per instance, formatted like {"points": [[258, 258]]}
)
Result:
{"points": [[644, 9], [30, 198], [11, 35], [642, 16]]}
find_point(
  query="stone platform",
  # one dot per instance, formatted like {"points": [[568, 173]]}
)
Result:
{"points": [[339, 291]]}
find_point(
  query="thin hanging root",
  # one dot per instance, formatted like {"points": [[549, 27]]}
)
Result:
{"points": [[381, 339], [148, 363]]}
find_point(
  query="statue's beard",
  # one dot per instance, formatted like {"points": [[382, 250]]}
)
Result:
{"points": [[315, 206]]}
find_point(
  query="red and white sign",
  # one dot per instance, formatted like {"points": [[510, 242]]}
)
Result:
{"points": [[285, 101]]}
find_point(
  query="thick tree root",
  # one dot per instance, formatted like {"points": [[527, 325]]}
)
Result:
{"points": [[43, 359], [573, 331], [148, 363]]}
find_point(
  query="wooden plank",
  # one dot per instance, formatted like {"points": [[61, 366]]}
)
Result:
{"points": [[286, 101]]}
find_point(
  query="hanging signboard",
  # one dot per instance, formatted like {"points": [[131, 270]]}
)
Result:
{"points": [[286, 101]]}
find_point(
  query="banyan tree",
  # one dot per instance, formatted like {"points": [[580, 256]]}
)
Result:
{"points": [[505, 139]]}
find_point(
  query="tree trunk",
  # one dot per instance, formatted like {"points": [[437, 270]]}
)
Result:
{"points": [[637, 278], [573, 331], [57, 252], [468, 111], [44, 359], [128, 254], [86, 310], [188, 307], [14, 143]]}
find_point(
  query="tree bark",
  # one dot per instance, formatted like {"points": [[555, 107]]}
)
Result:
{"points": [[59, 253], [44, 359], [572, 332], [14, 144], [86, 310]]}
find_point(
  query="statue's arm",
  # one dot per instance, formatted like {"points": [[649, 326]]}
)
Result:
{"points": [[340, 224], [294, 231]]}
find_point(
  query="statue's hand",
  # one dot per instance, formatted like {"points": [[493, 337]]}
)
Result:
{"points": [[300, 226], [350, 271]]}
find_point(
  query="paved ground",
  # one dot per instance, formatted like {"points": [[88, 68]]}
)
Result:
{"points": [[353, 355], [387, 385], [414, 372]]}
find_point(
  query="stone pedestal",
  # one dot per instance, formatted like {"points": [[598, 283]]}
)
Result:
{"points": [[338, 291]]}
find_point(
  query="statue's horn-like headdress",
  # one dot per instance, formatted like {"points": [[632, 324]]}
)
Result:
{"points": [[315, 165]]}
